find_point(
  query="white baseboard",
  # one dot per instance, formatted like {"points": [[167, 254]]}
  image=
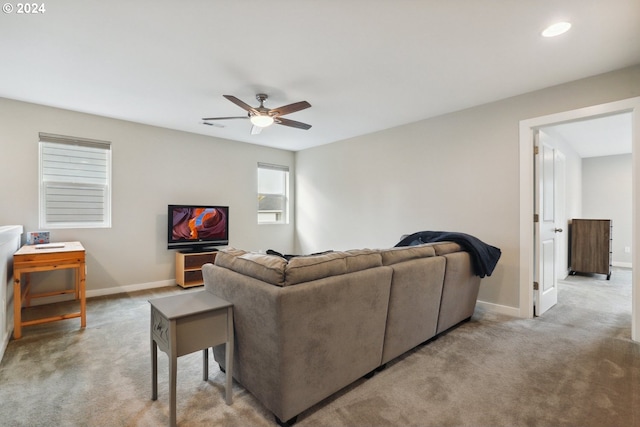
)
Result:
{"points": [[130, 288], [105, 291], [622, 264], [514, 311], [499, 309], [89, 294]]}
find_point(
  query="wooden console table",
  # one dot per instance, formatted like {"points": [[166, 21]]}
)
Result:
{"points": [[34, 258]]}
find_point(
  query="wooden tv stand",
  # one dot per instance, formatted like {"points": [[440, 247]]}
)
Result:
{"points": [[189, 267]]}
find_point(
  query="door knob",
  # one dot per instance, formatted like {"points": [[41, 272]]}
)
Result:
{"points": [[558, 230]]}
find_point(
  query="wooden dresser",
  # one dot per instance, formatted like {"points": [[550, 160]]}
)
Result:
{"points": [[591, 246]]}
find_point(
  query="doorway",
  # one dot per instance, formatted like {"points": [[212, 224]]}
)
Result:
{"points": [[527, 129]]}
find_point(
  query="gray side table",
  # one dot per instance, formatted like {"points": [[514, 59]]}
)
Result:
{"points": [[185, 323]]}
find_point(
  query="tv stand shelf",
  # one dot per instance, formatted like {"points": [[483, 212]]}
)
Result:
{"points": [[189, 267]]}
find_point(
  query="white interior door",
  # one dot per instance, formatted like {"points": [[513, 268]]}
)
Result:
{"points": [[549, 194], [527, 197]]}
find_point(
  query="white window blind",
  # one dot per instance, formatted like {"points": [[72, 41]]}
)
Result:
{"points": [[75, 182], [273, 194]]}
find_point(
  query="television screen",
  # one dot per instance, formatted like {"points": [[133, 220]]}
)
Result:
{"points": [[194, 227]]}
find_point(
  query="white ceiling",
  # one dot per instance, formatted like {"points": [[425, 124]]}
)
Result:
{"points": [[364, 65], [596, 137]]}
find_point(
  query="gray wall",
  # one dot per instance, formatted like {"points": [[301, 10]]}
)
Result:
{"points": [[152, 167], [606, 194], [457, 172]]}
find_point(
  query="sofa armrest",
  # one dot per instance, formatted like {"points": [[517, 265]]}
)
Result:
{"points": [[414, 304], [459, 292]]}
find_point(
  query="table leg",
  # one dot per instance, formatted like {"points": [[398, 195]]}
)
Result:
{"points": [[229, 356], [83, 297], [76, 283], [205, 364], [27, 288], [17, 305], [173, 371], [154, 369], [173, 367]]}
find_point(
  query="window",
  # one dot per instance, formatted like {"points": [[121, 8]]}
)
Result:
{"points": [[75, 182], [273, 194]]}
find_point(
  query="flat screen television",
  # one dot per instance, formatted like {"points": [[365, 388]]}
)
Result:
{"points": [[197, 227]]}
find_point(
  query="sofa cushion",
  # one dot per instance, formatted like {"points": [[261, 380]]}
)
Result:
{"points": [[267, 268], [313, 267], [405, 253], [306, 268], [361, 259], [443, 248], [276, 270], [229, 252]]}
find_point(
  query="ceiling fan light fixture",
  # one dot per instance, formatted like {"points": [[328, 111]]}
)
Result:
{"points": [[262, 117], [261, 120], [556, 29]]}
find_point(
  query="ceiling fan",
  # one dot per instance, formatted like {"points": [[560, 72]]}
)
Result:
{"points": [[262, 117]]}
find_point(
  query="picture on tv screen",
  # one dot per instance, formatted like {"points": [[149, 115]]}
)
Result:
{"points": [[198, 224]]}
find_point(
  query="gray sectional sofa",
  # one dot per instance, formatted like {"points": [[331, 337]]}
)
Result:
{"points": [[309, 326]]}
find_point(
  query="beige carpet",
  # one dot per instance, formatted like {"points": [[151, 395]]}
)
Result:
{"points": [[576, 366]]}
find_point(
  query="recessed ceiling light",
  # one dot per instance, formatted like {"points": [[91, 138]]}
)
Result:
{"points": [[556, 29]]}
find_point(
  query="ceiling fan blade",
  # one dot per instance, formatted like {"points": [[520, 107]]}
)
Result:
{"points": [[292, 123], [291, 108], [218, 125], [255, 130], [225, 118], [241, 104]]}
